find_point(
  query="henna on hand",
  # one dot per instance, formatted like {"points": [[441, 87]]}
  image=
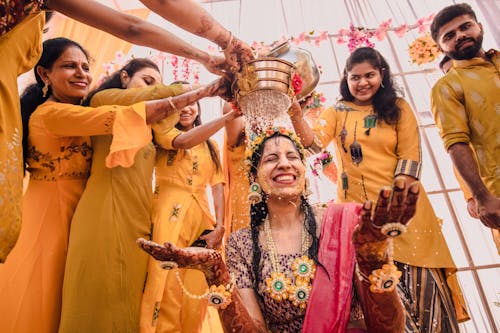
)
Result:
{"points": [[235, 317], [394, 205], [206, 260]]}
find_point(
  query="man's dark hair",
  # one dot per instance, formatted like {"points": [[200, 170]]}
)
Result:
{"points": [[447, 14]]}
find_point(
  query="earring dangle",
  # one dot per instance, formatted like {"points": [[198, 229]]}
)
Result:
{"points": [[255, 193], [382, 85], [45, 90]]}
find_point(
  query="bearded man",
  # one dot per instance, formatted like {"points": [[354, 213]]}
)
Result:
{"points": [[466, 107]]}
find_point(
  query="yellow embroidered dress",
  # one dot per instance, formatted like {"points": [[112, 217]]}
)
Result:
{"points": [[236, 175], [423, 244], [20, 49], [59, 164], [105, 269], [180, 214]]}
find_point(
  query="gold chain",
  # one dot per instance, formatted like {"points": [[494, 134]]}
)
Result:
{"points": [[273, 252]]}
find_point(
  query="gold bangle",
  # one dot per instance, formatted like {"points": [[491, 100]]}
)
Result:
{"points": [[169, 99], [408, 167]]}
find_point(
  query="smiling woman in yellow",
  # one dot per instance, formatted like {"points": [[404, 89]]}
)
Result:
{"points": [[105, 271], [188, 162], [376, 138]]}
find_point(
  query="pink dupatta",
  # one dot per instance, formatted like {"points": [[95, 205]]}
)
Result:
{"points": [[329, 304]]}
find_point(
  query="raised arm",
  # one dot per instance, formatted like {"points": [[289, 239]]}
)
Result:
{"points": [[159, 109], [133, 30], [201, 133], [304, 132], [377, 275], [190, 16]]}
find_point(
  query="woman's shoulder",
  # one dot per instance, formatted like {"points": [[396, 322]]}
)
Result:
{"points": [[240, 236], [240, 241]]}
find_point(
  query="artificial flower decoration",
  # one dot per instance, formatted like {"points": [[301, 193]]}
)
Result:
{"points": [[315, 101], [299, 293], [384, 279], [303, 269], [296, 83], [423, 50], [219, 297], [321, 161], [277, 286]]}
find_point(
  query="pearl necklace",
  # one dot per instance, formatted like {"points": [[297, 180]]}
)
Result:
{"points": [[278, 285]]}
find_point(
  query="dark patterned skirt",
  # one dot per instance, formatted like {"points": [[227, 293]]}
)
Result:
{"points": [[427, 300]]}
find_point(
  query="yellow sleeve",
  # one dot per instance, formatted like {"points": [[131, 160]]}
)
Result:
{"points": [[325, 125], [408, 147], [165, 135], [449, 113], [134, 95], [127, 124], [218, 175]]}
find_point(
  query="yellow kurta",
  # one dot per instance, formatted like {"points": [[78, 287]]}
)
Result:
{"points": [[466, 103], [59, 164], [238, 187], [423, 243], [20, 49], [105, 269], [180, 213]]}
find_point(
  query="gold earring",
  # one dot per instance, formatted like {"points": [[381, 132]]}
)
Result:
{"points": [[255, 194], [45, 89]]}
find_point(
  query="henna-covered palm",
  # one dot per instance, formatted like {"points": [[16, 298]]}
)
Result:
{"points": [[394, 205], [206, 260], [238, 53], [220, 87]]}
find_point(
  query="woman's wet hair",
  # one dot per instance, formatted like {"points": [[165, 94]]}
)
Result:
{"points": [[259, 212]]}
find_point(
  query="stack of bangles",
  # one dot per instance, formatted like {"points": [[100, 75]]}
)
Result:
{"points": [[386, 278], [217, 296]]}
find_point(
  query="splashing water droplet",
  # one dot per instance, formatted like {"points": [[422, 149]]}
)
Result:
{"points": [[265, 108]]}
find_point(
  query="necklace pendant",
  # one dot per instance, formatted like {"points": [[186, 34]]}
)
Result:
{"points": [[299, 294], [303, 268], [356, 152], [343, 136], [277, 286], [370, 121], [345, 182]]}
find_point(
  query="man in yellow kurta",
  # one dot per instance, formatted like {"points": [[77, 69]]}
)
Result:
{"points": [[466, 104]]}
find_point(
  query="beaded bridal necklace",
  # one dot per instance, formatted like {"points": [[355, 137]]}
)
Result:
{"points": [[278, 285]]}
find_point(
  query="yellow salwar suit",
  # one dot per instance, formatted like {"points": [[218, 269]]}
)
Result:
{"points": [[59, 164], [20, 49], [238, 212], [105, 269], [181, 213], [423, 244]]}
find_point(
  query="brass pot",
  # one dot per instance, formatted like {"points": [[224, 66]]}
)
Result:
{"points": [[264, 74], [304, 66]]}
